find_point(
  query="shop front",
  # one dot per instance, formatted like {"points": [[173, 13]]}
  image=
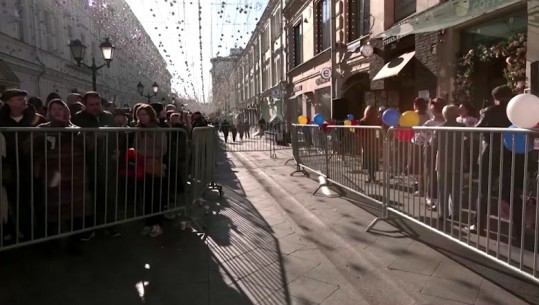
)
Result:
{"points": [[489, 36], [492, 53]]}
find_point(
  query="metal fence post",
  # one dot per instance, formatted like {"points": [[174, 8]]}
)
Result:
{"points": [[386, 156]]}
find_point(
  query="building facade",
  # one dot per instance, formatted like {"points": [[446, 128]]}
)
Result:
{"points": [[301, 61], [224, 82], [35, 56], [258, 75]]}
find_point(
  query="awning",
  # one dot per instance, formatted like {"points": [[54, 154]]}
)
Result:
{"points": [[395, 66], [354, 46], [7, 76], [446, 15]]}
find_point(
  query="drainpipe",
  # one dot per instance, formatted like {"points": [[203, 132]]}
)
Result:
{"points": [[36, 49], [333, 39]]}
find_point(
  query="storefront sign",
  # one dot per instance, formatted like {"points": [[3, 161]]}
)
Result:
{"points": [[320, 80], [325, 73]]}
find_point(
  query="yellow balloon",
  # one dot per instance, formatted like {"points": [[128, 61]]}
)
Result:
{"points": [[347, 122], [302, 120], [409, 119]]}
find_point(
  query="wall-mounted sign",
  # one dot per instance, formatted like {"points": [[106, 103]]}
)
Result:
{"points": [[298, 88], [320, 80], [325, 73]]}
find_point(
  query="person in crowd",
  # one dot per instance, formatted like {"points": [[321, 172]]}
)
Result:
{"points": [[176, 121], [430, 178], [178, 155], [241, 129], [197, 120], [468, 119], [61, 170], [73, 98], [170, 107], [50, 97], [16, 167], [37, 103], [467, 115], [107, 105], [152, 147], [75, 108], [511, 174], [262, 125], [447, 146], [415, 156], [101, 160], [225, 129], [247, 129], [370, 142], [234, 131], [121, 118], [135, 108], [161, 114]]}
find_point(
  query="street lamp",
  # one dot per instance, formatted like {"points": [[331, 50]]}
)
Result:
{"points": [[140, 89], [78, 49]]}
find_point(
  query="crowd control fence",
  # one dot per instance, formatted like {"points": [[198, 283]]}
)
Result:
{"points": [[477, 187], [58, 182], [262, 137]]}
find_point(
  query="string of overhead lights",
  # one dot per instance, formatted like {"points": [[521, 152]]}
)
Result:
{"points": [[201, 53]]}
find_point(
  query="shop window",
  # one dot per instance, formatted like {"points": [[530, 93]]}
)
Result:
{"points": [[298, 44], [494, 31], [359, 18], [323, 25], [403, 9]]}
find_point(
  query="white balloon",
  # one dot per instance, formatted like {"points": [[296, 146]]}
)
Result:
{"points": [[523, 110]]}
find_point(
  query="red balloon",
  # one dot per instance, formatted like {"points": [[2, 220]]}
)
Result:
{"points": [[404, 135], [354, 122], [332, 123], [324, 127], [131, 154]]}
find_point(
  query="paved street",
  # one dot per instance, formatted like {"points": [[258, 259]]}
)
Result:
{"points": [[268, 241]]}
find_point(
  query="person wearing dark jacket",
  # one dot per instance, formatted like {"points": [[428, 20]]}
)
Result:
{"points": [[101, 160], [16, 167], [59, 168], [225, 129], [491, 155]]}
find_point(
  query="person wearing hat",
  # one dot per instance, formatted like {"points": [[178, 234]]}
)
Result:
{"points": [[170, 107], [73, 98], [17, 169], [161, 114]]}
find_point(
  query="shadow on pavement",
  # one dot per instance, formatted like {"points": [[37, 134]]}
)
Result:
{"points": [[236, 261], [173, 268], [243, 244]]}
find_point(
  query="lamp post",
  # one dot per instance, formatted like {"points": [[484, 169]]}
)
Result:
{"points": [[78, 49], [140, 89]]}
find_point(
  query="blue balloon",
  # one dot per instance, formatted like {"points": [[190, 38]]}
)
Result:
{"points": [[519, 146], [391, 117], [350, 117], [318, 119]]}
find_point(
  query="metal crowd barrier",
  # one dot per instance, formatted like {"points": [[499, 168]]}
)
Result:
{"points": [[265, 137], [204, 161], [466, 184], [58, 182]]}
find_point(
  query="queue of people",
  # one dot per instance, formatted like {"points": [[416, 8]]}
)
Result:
{"points": [[56, 179], [436, 161]]}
